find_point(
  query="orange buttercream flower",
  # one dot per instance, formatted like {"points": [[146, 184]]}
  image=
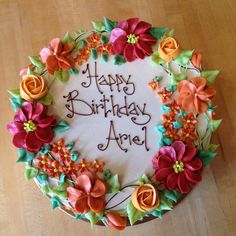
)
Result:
{"points": [[32, 87], [196, 60], [115, 221], [194, 94], [89, 193], [169, 49], [145, 198]]}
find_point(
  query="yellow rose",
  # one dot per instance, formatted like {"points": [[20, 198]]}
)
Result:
{"points": [[32, 87], [145, 198], [169, 49]]}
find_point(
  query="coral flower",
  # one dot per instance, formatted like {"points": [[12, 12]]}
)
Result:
{"points": [[178, 167], [195, 94], [57, 56], [196, 60], [115, 221], [131, 39], [32, 127], [89, 193]]}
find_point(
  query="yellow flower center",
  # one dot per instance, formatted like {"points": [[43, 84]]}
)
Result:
{"points": [[178, 167], [83, 165], [132, 38], [30, 126]]}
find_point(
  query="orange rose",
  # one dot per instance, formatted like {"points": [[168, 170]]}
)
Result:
{"points": [[145, 198], [169, 49], [32, 87], [115, 221]]}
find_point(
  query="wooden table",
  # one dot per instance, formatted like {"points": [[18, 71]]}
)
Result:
{"points": [[209, 26]]}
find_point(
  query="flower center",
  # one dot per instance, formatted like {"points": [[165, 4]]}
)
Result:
{"points": [[178, 167], [30, 126], [132, 38]]}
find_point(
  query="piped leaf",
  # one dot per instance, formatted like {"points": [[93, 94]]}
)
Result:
{"points": [[46, 100], [214, 124], [55, 202], [92, 217], [144, 180], [184, 57], [36, 61], [156, 59], [62, 76], [134, 214], [113, 184], [206, 156], [98, 26], [157, 32], [24, 156], [68, 39], [16, 102], [119, 59], [61, 126], [30, 172], [14, 92], [109, 25], [171, 195], [210, 75]]}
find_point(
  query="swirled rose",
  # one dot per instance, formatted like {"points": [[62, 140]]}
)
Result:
{"points": [[32, 87], [145, 198], [169, 49]]}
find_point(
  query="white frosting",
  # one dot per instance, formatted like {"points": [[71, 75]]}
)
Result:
{"points": [[89, 131]]}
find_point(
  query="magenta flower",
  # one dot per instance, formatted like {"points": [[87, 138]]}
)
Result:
{"points": [[178, 167], [32, 127], [131, 39]]}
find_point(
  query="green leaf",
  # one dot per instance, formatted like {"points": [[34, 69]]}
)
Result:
{"points": [[109, 25], [16, 102], [74, 71], [14, 92], [113, 184], [61, 126], [68, 39], [134, 214], [144, 180], [213, 147], [30, 172], [98, 25], [60, 190], [158, 214], [105, 57], [119, 59], [171, 195], [156, 59], [36, 61], [74, 156], [104, 39], [55, 202], [94, 53], [79, 216], [62, 76], [176, 78], [43, 179], [92, 217], [46, 100], [157, 32], [206, 156], [214, 124], [184, 57], [24, 156], [45, 189], [170, 33], [210, 75], [106, 174], [165, 204]]}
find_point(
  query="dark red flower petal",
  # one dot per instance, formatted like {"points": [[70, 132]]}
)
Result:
{"points": [[147, 38], [47, 121], [19, 139], [193, 176], [179, 147], [132, 24], [20, 116], [44, 134], [190, 152], [119, 45], [168, 151], [164, 161], [15, 127], [27, 108], [32, 143], [194, 164], [129, 52], [144, 47], [161, 174], [142, 27], [183, 183], [39, 111], [171, 181], [138, 53], [122, 25]]}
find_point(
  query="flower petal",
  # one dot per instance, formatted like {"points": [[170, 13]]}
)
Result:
{"points": [[32, 143], [99, 188], [51, 64], [138, 53], [142, 27], [116, 221], [56, 45], [73, 194], [179, 147], [81, 205], [129, 53], [44, 134], [47, 121], [132, 24], [44, 53], [183, 183], [27, 108], [194, 164], [39, 111], [168, 151], [116, 33], [161, 174], [20, 116], [171, 182], [96, 204], [15, 127], [144, 47], [190, 152], [84, 183], [147, 38], [122, 25], [19, 139], [193, 176], [162, 161], [119, 45]]}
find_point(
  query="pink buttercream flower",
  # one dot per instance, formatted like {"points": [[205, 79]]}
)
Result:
{"points": [[57, 56], [195, 94], [131, 39], [89, 193], [178, 167], [32, 127]]}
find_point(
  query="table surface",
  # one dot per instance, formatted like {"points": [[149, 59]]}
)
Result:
{"points": [[206, 25]]}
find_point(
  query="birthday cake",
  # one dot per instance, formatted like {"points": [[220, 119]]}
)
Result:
{"points": [[114, 124]]}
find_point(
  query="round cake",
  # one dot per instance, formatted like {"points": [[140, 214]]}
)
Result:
{"points": [[114, 124]]}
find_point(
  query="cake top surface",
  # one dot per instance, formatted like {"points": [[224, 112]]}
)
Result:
{"points": [[115, 123]]}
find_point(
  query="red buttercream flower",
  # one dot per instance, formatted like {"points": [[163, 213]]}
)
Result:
{"points": [[131, 39], [94, 40], [195, 94], [178, 167], [32, 127], [57, 56], [189, 121], [165, 95], [187, 135], [89, 193]]}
